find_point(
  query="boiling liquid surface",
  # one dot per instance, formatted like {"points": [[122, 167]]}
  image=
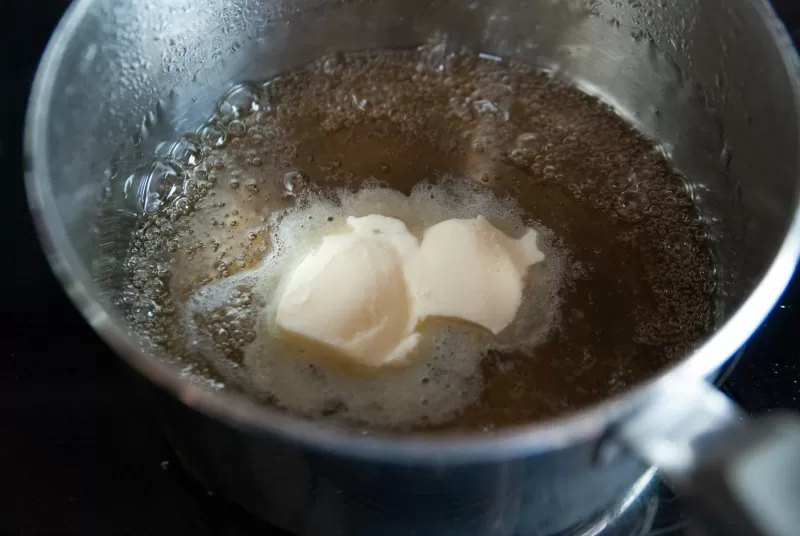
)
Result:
{"points": [[423, 135]]}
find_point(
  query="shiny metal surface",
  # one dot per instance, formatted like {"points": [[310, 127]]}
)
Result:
{"points": [[741, 476], [674, 436], [715, 82]]}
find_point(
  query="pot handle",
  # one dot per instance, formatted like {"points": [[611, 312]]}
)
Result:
{"points": [[740, 475]]}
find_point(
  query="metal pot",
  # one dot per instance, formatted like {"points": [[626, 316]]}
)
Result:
{"points": [[715, 82]]}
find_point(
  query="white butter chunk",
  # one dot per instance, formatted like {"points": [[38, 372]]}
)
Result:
{"points": [[363, 292], [467, 269], [350, 294]]}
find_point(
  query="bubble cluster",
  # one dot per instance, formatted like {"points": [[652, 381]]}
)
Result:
{"points": [[459, 134], [443, 380], [228, 326]]}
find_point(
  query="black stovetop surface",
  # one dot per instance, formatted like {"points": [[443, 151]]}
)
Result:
{"points": [[78, 454]]}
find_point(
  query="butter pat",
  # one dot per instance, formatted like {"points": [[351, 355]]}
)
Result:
{"points": [[363, 292], [350, 294], [467, 269]]}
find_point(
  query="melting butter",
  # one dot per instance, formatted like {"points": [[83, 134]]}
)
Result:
{"points": [[363, 292]]}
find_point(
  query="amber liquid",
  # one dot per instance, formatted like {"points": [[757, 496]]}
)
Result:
{"points": [[637, 288]]}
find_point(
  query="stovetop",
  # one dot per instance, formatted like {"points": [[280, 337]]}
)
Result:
{"points": [[79, 455]]}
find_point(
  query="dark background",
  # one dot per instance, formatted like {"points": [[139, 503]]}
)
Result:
{"points": [[77, 453]]}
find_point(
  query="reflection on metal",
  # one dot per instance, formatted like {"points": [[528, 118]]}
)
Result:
{"points": [[647, 509], [692, 417]]}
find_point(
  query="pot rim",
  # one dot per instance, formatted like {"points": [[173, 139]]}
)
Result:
{"points": [[237, 411]]}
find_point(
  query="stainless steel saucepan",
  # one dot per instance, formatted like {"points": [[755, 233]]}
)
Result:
{"points": [[714, 81]]}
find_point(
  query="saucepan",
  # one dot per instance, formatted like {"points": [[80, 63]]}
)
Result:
{"points": [[715, 82]]}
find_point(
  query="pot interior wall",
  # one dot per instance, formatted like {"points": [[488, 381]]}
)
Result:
{"points": [[705, 79]]}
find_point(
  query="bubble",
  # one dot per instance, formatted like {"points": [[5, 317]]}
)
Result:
{"points": [[151, 233], [528, 140], [631, 205], [157, 185], [145, 269], [237, 128], [332, 65], [678, 244], [571, 141], [132, 192], [182, 205], [213, 136], [293, 182], [190, 186], [240, 101], [480, 144], [186, 152], [620, 180], [521, 157]]}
